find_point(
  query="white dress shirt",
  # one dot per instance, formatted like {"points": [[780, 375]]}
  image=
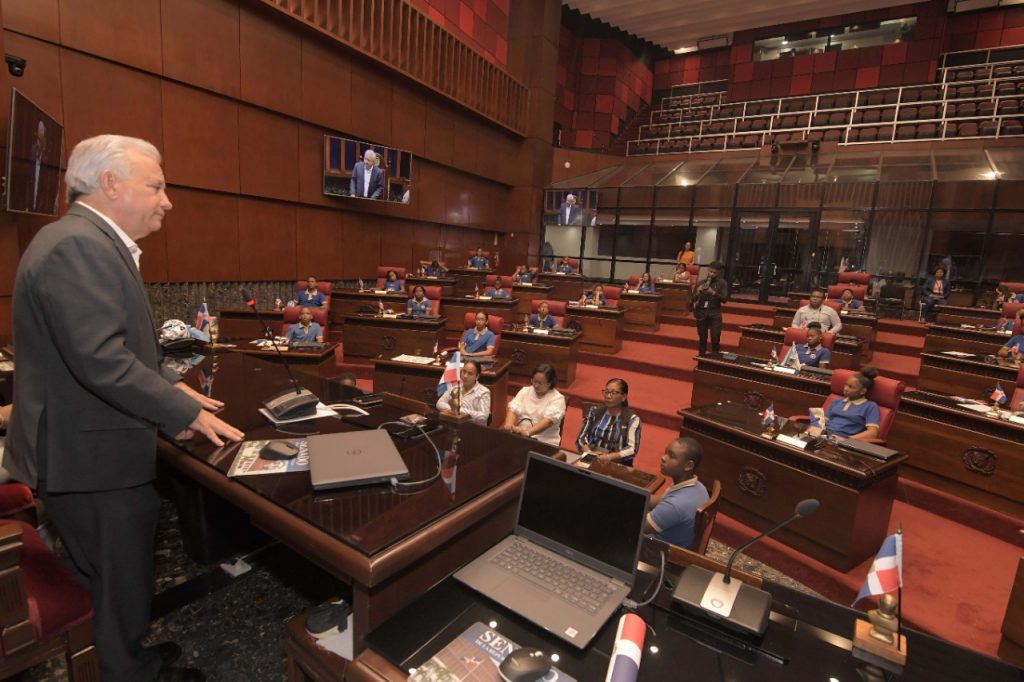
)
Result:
{"points": [[367, 172], [129, 243], [527, 405], [476, 402]]}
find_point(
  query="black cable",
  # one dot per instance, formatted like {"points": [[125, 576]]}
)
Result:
{"points": [[399, 485]]}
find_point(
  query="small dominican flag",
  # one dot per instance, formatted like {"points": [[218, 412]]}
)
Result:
{"points": [[774, 357], [380, 306], [203, 317], [361, 287], [450, 377], [886, 572], [206, 382], [998, 395], [435, 347], [769, 416], [624, 665]]}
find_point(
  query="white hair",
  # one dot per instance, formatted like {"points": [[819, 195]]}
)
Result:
{"points": [[372, 154], [91, 157]]}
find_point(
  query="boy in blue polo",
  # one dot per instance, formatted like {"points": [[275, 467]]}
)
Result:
{"points": [[672, 514]]}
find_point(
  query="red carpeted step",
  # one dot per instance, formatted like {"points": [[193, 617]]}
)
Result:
{"points": [[908, 327], [902, 367], [730, 321], [680, 336], [672, 362], [897, 343]]}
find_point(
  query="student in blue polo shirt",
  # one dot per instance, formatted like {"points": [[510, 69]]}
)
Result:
{"points": [[673, 513], [1014, 342], [419, 305], [310, 297], [391, 282], [855, 416], [522, 274], [813, 353], [433, 269], [594, 297], [478, 261], [646, 285], [848, 301], [564, 266], [496, 291], [478, 341], [541, 318], [306, 330]]}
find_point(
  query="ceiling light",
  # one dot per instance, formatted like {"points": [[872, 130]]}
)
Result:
{"points": [[684, 50]]}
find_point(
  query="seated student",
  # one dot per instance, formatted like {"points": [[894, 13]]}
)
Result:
{"points": [[681, 274], [310, 297], [471, 397], [478, 341], [813, 353], [419, 305], [817, 311], [855, 416], [1014, 342], [522, 274], [433, 269], [478, 261], [594, 296], [672, 513], [848, 301], [646, 285], [564, 267], [1004, 295], [537, 410], [541, 318], [306, 331], [935, 290], [611, 431], [392, 284], [496, 291]]}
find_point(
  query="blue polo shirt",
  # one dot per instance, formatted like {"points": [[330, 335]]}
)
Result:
{"points": [[674, 516], [590, 299], [564, 269], [296, 333], [494, 293], [647, 288], [476, 345], [854, 419], [434, 271], [526, 277], [815, 357], [306, 300], [548, 322], [419, 308], [854, 304], [1017, 341], [395, 285], [478, 262]]}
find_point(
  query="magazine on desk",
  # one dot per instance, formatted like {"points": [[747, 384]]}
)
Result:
{"points": [[474, 656], [248, 463]]}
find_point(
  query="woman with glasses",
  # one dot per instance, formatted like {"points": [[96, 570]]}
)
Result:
{"points": [[611, 431], [538, 409]]}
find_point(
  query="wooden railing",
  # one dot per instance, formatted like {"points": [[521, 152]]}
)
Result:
{"points": [[396, 34]]}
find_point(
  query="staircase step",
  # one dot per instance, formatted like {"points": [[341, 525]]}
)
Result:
{"points": [[906, 327]]}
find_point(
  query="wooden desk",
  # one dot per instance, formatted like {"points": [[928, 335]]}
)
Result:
{"points": [[455, 310], [969, 377], [602, 327], [643, 311], [321, 363], [468, 279], [447, 284], [864, 326], [525, 350], [676, 296], [368, 336], [354, 302], [419, 382], [718, 379], [526, 294], [566, 287], [762, 480], [943, 337], [757, 340], [958, 315], [388, 547], [241, 323], [960, 451]]}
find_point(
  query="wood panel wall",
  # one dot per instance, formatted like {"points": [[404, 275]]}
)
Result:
{"points": [[238, 100]]}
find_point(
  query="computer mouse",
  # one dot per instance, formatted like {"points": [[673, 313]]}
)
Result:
{"points": [[278, 449], [525, 665]]}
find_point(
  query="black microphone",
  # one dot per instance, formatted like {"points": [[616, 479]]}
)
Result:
{"points": [[287, 404], [734, 603]]}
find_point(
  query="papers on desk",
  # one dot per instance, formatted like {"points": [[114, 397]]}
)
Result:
{"points": [[1017, 420], [984, 409], [6, 365], [248, 463], [540, 330], [958, 354], [783, 370], [380, 291], [524, 284], [790, 440], [417, 359]]}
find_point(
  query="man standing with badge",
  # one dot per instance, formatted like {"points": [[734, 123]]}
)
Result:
{"points": [[710, 294]]}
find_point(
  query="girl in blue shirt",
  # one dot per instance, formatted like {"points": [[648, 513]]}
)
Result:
{"points": [[522, 275], [564, 267], [646, 286], [310, 297], [1015, 342], [478, 341], [541, 318], [497, 291], [855, 416], [391, 283], [306, 330], [595, 297], [435, 269], [419, 305]]}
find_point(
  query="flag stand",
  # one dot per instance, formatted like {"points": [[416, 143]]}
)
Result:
{"points": [[879, 641]]}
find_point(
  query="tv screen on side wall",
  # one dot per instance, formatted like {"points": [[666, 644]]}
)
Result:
{"points": [[34, 147]]}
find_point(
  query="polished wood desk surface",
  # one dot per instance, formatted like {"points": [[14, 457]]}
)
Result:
{"points": [[389, 546], [447, 284], [525, 349], [419, 381], [677, 296], [242, 323], [643, 311], [456, 307], [943, 337], [361, 301], [973, 376], [966, 453], [762, 481], [320, 361], [527, 293], [685, 647], [371, 336], [467, 278], [759, 339], [602, 326], [565, 287], [743, 379], [957, 315]]}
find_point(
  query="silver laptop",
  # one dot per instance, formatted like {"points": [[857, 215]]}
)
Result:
{"points": [[339, 460], [572, 557]]}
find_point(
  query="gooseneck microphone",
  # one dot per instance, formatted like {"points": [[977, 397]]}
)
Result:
{"points": [[288, 404], [803, 509]]}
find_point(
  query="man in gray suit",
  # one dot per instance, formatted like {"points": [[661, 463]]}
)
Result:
{"points": [[91, 395], [367, 177]]}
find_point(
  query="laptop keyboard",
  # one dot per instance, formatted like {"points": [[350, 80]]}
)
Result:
{"points": [[565, 581]]}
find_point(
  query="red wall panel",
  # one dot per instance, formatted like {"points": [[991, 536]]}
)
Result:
{"points": [[270, 56], [200, 44], [266, 240], [125, 32], [268, 154], [200, 138], [201, 232]]}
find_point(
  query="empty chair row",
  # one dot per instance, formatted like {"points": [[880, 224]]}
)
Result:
{"points": [[910, 113], [984, 128], [836, 118], [927, 94], [984, 72], [970, 109], [830, 135]]}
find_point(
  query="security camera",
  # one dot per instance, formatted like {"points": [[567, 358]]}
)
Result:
{"points": [[15, 65]]}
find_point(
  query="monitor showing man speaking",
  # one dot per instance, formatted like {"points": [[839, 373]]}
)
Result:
{"points": [[33, 161]]}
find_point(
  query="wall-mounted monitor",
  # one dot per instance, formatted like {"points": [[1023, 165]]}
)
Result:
{"points": [[363, 170], [34, 144]]}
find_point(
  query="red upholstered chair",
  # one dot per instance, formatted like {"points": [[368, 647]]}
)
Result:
{"points": [[1015, 287], [1009, 310], [382, 273], [694, 270], [838, 307], [506, 280], [44, 610], [494, 323], [885, 392], [556, 309], [291, 317], [433, 294], [16, 502], [633, 281], [704, 519], [1018, 395], [855, 278], [612, 295], [798, 335], [836, 291]]}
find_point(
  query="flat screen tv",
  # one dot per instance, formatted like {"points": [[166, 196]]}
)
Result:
{"points": [[34, 145], [390, 178]]}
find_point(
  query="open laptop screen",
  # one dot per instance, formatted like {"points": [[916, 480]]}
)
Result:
{"points": [[587, 514]]}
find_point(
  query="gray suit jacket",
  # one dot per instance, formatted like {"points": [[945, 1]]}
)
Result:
{"points": [[90, 391], [355, 185]]}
